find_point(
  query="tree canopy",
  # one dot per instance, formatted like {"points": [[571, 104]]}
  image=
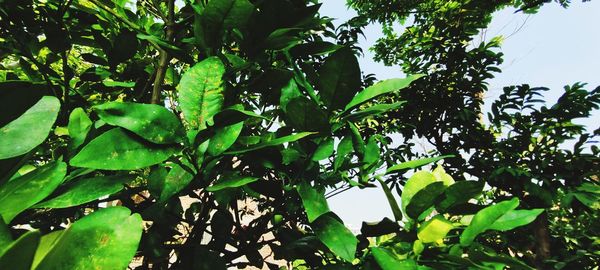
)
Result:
{"points": [[209, 134]]}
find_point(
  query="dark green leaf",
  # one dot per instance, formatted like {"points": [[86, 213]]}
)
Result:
{"points": [[118, 150], [339, 78], [5, 236], [424, 199], [459, 193], [176, 180], [201, 92], [413, 164], [336, 237], [313, 200], [232, 182], [221, 15], [416, 182], [152, 122], [391, 200], [377, 109], [19, 254], [273, 142], [29, 189], [380, 88], [19, 136], [344, 148], [86, 190], [305, 115], [105, 239]]}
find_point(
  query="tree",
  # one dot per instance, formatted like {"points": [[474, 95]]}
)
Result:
{"points": [[521, 152], [151, 135]]}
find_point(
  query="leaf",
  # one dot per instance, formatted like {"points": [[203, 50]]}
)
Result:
{"points": [[224, 138], [27, 190], [118, 150], [5, 236], [336, 237], [152, 122], [339, 78], [305, 115], [47, 242], [314, 48], [424, 199], [324, 150], [416, 182], [175, 181], [391, 200], [440, 174], [515, 218], [19, 137], [376, 109], [201, 92], [105, 239], [459, 193], [19, 254], [380, 88], [387, 261], [221, 15], [313, 200], [274, 142], [86, 190], [413, 164], [434, 230], [232, 182], [344, 148], [288, 93], [233, 115], [79, 126], [372, 152], [484, 219]]}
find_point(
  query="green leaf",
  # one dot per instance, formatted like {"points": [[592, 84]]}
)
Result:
{"points": [[233, 115], [485, 218], [5, 236], [305, 115], [274, 142], [377, 109], [30, 129], [105, 239], [434, 230], [459, 193], [424, 199], [79, 126], [288, 93], [378, 89], [19, 254], [324, 150], [344, 148], [47, 242], [27, 190], [86, 190], [416, 182], [515, 218], [221, 15], [313, 200], [176, 180], [152, 122], [391, 200], [413, 164], [339, 78], [336, 237], [224, 138], [232, 182], [387, 261], [118, 150], [372, 152], [201, 92]]}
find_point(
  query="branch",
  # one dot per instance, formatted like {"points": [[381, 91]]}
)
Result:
{"points": [[165, 58]]}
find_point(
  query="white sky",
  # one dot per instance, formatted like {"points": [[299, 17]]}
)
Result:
{"points": [[552, 48]]}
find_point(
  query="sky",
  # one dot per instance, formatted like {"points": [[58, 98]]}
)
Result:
{"points": [[552, 48]]}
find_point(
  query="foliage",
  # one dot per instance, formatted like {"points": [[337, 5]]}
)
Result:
{"points": [[209, 134]]}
